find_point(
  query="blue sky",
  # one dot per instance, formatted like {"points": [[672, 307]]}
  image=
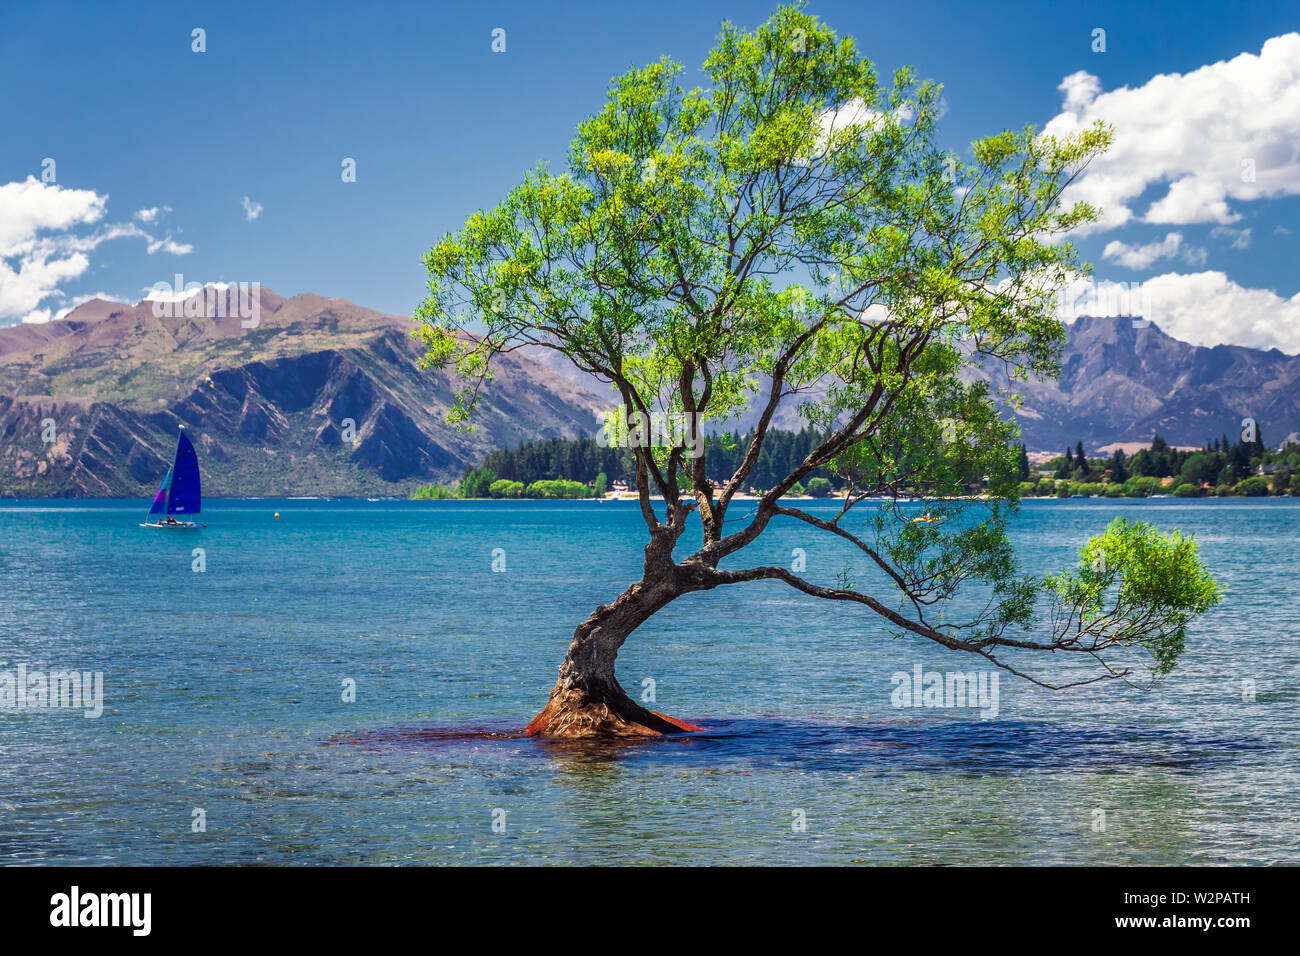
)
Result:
{"points": [[439, 126]]}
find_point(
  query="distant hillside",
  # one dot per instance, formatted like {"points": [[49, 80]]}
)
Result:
{"points": [[266, 406], [1124, 384], [1121, 384]]}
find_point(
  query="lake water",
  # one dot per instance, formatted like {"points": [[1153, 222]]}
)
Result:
{"points": [[224, 693]]}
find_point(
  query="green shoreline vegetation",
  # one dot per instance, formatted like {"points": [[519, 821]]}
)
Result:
{"points": [[1220, 469], [573, 469], [583, 468]]}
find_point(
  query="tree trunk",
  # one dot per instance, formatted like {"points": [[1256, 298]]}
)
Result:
{"points": [[587, 700]]}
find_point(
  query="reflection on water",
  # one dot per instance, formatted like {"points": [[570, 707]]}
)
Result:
{"points": [[987, 747]]}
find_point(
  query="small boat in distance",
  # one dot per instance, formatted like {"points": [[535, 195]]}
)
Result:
{"points": [[180, 493]]}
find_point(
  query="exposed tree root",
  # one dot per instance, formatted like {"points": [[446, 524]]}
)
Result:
{"points": [[600, 709]]}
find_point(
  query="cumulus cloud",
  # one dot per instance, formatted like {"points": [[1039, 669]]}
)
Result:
{"points": [[31, 206], [1213, 138], [251, 209], [1204, 308], [40, 249]]}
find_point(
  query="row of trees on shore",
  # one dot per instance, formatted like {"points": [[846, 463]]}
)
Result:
{"points": [[1220, 468], [582, 468]]}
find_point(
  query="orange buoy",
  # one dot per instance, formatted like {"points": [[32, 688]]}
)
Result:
{"points": [[277, 516]]}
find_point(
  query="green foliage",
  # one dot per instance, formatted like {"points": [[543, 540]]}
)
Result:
{"points": [[1141, 585], [1256, 487], [557, 488], [1064, 465], [794, 227], [476, 483], [1119, 467], [1139, 486], [1187, 491], [601, 486], [433, 492], [781, 453], [580, 459], [819, 487], [505, 488], [1201, 468], [622, 260]]}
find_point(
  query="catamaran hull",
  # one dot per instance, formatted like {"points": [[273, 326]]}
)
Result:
{"points": [[180, 525]]}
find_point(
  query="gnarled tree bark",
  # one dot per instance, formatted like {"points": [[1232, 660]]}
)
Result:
{"points": [[587, 700]]}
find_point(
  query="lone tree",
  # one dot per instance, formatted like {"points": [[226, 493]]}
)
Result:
{"points": [[794, 233]]}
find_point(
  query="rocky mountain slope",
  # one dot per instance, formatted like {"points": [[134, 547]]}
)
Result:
{"points": [[322, 397], [1124, 380], [1121, 383]]}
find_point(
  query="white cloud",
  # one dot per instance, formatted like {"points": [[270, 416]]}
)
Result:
{"points": [[1208, 308], [1204, 308], [251, 209], [170, 245], [1222, 134], [39, 251], [162, 292], [29, 207], [857, 118], [1239, 238], [152, 213], [856, 113], [1141, 257], [33, 265]]}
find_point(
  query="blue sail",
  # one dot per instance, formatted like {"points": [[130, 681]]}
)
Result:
{"points": [[160, 500], [185, 497]]}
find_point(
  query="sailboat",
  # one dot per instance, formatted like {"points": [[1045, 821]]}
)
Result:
{"points": [[180, 493]]}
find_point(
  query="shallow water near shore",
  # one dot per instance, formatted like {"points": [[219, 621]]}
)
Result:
{"points": [[224, 692]]}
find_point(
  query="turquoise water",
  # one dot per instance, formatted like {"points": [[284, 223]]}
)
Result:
{"points": [[223, 691]]}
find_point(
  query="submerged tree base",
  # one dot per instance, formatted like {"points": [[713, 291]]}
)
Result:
{"points": [[598, 710]]}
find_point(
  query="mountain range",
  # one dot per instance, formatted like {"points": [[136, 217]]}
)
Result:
{"points": [[1124, 380], [324, 397]]}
